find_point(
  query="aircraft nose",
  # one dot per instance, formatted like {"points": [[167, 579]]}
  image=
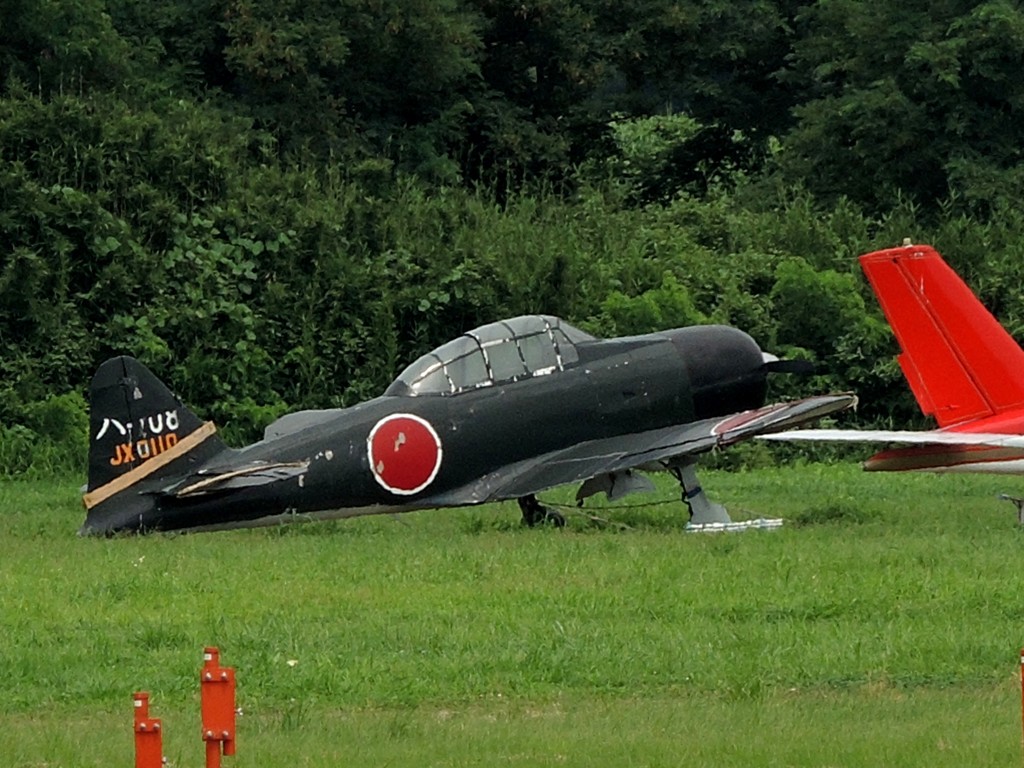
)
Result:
{"points": [[725, 368]]}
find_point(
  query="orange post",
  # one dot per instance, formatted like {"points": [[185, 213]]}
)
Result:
{"points": [[149, 749], [217, 695]]}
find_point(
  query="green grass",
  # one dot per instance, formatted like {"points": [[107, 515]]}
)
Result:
{"points": [[881, 625]]}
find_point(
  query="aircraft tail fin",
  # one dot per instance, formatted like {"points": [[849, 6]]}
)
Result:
{"points": [[138, 429], [961, 364]]}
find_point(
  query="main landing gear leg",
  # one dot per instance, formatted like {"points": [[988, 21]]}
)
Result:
{"points": [[702, 509], [534, 512]]}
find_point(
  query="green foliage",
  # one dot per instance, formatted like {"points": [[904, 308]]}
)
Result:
{"points": [[814, 309], [55, 47], [90, 192], [246, 419], [915, 98], [194, 310], [43, 438], [667, 306], [659, 157], [17, 449], [281, 206], [350, 79]]}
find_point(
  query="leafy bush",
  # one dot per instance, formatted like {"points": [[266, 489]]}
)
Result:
{"points": [[668, 305], [51, 437]]}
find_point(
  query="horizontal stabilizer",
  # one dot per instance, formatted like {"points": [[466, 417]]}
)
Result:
{"points": [[247, 477]]}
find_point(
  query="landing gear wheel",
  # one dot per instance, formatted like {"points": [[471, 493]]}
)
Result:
{"points": [[534, 512], [557, 519]]}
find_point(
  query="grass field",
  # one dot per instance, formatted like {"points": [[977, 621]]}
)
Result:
{"points": [[880, 626]]}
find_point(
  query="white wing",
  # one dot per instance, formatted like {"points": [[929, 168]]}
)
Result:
{"points": [[931, 437]]}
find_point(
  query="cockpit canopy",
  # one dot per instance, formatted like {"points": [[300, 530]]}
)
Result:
{"points": [[508, 350]]}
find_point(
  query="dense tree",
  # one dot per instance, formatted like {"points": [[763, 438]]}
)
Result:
{"points": [[916, 98], [279, 204], [328, 75], [53, 47], [185, 42], [715, 61]]}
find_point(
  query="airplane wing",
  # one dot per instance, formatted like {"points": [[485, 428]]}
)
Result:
{"points": [[931, 450], [927, 437], [615, 454]]}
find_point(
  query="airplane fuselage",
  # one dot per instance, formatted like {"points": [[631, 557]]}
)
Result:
{"points": [[398, 451]]}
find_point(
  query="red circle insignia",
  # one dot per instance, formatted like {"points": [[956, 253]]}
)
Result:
{"points": [[405, 453]]}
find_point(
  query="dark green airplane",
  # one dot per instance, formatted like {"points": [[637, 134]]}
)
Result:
{"points": [[502, 412]]}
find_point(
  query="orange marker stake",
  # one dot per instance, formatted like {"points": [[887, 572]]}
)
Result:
{"points": [[217, 695], [149, 750]]}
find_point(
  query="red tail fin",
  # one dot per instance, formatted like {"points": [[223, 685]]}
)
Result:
{"points": [[960, 362]]}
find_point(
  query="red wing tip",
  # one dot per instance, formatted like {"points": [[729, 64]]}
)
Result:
{"points": [[908, 250]]}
